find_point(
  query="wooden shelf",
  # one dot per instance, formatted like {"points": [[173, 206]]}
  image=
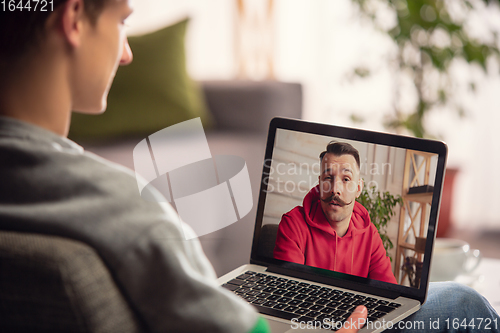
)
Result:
{"points": [[407, 246], [419, 197], [415, 208], [421, 153]]}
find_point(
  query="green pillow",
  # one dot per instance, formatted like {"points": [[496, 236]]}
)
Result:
{"points": [[153, 92]]}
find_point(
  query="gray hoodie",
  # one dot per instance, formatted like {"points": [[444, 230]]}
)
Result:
{"points": [[50, 185]]}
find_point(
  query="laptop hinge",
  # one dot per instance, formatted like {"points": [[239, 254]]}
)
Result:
{"points": [[337, 283]]}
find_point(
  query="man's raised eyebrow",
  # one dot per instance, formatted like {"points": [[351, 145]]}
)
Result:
{"points": [[343, 170], [348, 170]]}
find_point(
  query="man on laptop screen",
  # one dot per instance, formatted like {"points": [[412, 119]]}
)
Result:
{"points": [[331, 230]]}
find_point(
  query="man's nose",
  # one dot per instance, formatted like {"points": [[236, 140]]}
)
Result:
{"points": [[336, 186], [127, 56]]}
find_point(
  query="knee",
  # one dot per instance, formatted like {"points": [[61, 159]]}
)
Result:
{"points": [[451, 288], [458, 296]]}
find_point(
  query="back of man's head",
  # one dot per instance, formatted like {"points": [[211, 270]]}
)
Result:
{"points": [[23, 29], [339, 149]]}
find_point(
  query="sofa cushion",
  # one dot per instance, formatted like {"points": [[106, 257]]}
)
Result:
{"points": [[244, 105], [153, 92]]}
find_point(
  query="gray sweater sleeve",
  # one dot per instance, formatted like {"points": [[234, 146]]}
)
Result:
{"points": [[51, 186]]}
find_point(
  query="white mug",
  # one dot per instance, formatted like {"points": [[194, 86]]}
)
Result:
{"points": [[452, 257]]}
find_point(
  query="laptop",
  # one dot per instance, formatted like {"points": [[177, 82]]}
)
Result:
{"points": [[402, 174]]}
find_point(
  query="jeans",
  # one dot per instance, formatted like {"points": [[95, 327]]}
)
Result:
{"points": [[451, 307]]}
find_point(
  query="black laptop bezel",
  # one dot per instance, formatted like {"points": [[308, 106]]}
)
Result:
{"points": [[345, 280]]}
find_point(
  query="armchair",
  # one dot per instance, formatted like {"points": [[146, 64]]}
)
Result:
{"points": [[53, 284]]}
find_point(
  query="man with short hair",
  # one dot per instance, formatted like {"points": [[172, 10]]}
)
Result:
{"points": [[56, 62], [331, 230], [62, 60]]}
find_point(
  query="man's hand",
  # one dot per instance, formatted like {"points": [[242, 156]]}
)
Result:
{"points": [[356, 321]]}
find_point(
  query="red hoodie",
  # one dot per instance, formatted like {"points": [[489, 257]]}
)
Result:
{"points": [[306, 237]]}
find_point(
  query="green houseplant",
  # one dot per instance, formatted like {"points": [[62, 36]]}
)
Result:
{"points": [[430, 36], [380, 206]]}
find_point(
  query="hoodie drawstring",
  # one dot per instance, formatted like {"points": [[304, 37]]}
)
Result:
{"points": [[335, 256], [352, 253]]}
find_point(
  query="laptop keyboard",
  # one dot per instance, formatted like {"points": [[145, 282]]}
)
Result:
{"points": [[289, 299]]}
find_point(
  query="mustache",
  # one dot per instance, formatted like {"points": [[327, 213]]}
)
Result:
{"points": [[337, 199]]}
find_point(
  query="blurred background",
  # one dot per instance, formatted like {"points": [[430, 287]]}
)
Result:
{"points": [[424, 68]]}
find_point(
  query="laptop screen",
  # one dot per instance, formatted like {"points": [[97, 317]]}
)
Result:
{"points": [[360, 204]]}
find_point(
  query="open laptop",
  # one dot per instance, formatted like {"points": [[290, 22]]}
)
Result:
{"points": [[295, 296]]}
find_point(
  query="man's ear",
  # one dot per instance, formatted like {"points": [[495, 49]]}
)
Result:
{"points": [[72, 19], [361, 183]]}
